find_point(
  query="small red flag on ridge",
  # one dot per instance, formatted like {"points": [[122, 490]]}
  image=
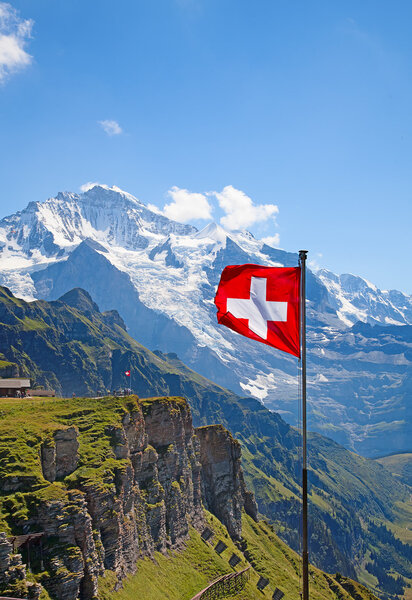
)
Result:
{"points": [[261, 303]]}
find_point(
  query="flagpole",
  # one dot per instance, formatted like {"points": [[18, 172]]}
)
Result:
{"points": [[305, 553]]}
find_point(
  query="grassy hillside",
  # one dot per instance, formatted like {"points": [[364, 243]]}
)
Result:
{"points": [[400, 465], [25, 424], [71, 346], [179, 576]]}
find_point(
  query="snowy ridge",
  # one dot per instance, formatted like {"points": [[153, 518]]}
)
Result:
{"points": [[159, 254], [48, 231], [107, 215], [356, 299]]}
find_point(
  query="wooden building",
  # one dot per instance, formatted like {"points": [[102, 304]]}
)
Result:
{"points": [[14, 387], [42, 393]]}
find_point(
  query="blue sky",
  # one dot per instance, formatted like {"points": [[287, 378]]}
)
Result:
{"points": [[302, 105]]}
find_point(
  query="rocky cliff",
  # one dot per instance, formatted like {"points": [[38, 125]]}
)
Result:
{"points": [[108, 481], [224, 489], [13, 573]]}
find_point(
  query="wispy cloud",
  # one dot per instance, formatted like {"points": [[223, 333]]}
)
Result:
{"points": [[272, 240], [14, 35], [314, 262], [240, 210], [187, 206], [352, 28], [89, 185], [111, 127]]}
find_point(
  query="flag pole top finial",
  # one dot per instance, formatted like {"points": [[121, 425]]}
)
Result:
{"points": [[303, 253]]}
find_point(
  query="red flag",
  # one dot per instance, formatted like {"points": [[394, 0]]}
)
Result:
{"points": [[261, 303], [127, 373]]}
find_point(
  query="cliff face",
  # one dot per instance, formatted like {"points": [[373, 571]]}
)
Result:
{"points": [[13, 573], [224, 489], [118, 481]]}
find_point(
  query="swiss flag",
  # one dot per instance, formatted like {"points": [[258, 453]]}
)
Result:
{"points": [[127, 373], [261, 303]]}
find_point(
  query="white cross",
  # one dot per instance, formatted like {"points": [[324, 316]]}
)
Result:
{"points": [[257, 309]]}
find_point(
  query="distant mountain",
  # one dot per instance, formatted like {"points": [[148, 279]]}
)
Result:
{"points": [[161, 276], [70, 345], [356, 299]]}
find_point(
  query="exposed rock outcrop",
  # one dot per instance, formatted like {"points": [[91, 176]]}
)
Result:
{"points": [[13, 573], [59, 455], [170, 430], [224, 489]]}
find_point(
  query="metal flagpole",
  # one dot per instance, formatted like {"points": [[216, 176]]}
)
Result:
{"points": [[305, 553]]}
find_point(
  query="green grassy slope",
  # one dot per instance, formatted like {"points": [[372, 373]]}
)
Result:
{"points": [[72, 347], [179, 576], [400, 465], [26, 423]]}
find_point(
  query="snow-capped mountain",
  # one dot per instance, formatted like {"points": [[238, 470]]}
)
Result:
{"points": [[356, 299], [161, 276], [105, 214]]}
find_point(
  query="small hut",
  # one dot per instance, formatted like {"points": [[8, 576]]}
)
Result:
{"points": [[14, 387], [43, 393]]}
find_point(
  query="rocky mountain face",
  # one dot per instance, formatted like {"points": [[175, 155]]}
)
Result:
{"points": [[70, 344], [224, 489], [359, 300], [13, 573], [121, 217], [108, 482], [161, 278]]}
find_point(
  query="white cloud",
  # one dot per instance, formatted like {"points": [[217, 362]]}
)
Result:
{"points": [[14, 34], [272, 240], [111, 127], [187, 206], [240, 210], [154, 209], [313, 263], [89, 185]]}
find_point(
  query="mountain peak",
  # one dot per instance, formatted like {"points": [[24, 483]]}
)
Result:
{"points": [[66, 196], [90, 243], [214, 232], [104, 192], [80, 299]]}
